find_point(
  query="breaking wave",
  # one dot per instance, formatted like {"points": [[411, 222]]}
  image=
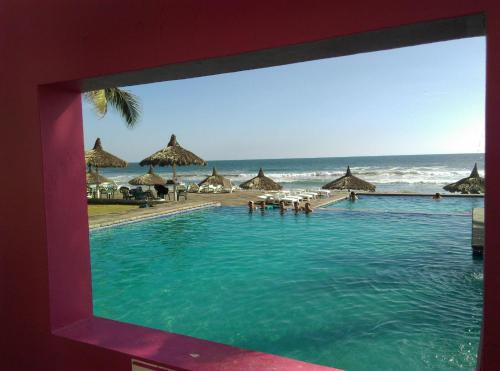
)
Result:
{"points": [[394, 173]]}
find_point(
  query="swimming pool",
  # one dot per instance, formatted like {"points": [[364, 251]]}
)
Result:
{"points": [[357, 289], [411, 204]]}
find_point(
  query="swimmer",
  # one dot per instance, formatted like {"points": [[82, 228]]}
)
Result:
{"points": [[262, 205], [437, 196], [282, 206], [251, 206], [353, 196], [296, 207], [308, 209]]}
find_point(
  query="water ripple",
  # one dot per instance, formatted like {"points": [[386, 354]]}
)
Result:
{"points": [[347, 289]]}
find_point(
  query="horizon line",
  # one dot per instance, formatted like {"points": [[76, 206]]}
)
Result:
{"points": [[321, 157]]}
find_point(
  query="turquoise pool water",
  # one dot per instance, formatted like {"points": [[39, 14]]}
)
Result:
{"points": [[354, 289], [417, 204]]}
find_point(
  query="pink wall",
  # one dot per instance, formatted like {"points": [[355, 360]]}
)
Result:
{"points": [[45, 308], [491, 319]]}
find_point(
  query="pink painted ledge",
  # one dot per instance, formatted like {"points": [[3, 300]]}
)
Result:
{"points": [[176, 351]]}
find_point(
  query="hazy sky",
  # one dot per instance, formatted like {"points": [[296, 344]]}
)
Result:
{"points": [[415, 100]]}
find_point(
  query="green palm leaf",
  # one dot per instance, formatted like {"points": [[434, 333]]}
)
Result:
{"points": [[126, 104], [97, 99]]}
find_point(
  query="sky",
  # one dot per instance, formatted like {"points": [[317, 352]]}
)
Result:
{"points": [[425, 99]]}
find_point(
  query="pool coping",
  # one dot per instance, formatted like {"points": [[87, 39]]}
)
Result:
{"points": [[391, 194], [477, 238], [154, 215], [328, 202]]}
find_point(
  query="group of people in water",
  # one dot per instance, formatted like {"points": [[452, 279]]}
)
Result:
{"points": [[307, 206], [296, 207]]}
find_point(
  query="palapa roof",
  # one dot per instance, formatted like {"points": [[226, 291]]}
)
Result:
{"points": [[173, 154], [100, 158], [472, 184], [261, 182], [149, 179], [95, 178], [349, 181], [215, 179]]}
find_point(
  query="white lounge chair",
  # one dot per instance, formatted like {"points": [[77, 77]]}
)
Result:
{"points": [[324, 193], [289, 199], [207, 188], [314, 193], [306, 196]]}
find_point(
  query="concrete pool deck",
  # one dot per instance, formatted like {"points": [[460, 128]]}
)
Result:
{"points": [[477, 240], [195, 201], [139, 214]]}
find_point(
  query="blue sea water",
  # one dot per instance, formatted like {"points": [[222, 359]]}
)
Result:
{"points": [[361, 286], [419, 173]]}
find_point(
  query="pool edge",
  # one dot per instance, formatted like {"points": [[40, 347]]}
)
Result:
{"points": [[157, 215]]}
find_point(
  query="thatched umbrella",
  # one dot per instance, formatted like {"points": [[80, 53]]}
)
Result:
{"points": [[349, 181], [98, 157], [472, 184], [215, 179], [95, 178], [173, 155], [261, 182], [149, 179]]}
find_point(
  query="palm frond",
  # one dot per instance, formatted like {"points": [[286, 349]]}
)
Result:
{"points": [[125, 103], [97, 99]]}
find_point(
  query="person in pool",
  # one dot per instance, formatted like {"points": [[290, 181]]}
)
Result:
{"points": [[353, 196], [307, 208], [282, 206], [251, 206], [437, 196], [296, 206]]}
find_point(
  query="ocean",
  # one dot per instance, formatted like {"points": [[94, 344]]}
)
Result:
{"points": [[414, 173]]}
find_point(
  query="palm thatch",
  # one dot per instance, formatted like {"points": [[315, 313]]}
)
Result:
{"points": [[472, 184], [95, 178], [173, 155], [215, 179], [349, 181], [98, 157], [149, 179], [261, 182]]}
